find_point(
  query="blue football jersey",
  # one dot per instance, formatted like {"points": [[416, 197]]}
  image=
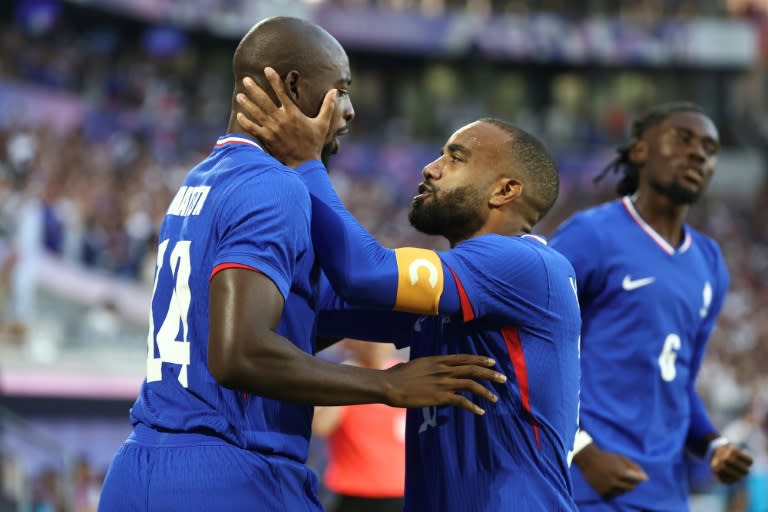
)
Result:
{"points": [[518, 306], [238, 208], [647, 310]]}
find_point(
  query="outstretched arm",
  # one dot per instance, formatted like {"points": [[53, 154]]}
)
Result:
{"points": [[360, 269], [246, 353]]}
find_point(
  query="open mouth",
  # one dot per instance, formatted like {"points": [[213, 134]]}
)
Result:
{"points": [[424, 191]]}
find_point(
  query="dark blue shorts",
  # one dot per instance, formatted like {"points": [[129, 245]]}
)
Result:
{"points": [[195, 473]]}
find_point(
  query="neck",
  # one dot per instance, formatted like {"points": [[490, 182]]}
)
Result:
{"points": [[505, 225], [662, 214], [234, 127]]}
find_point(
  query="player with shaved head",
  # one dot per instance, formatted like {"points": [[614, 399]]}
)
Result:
{"points": [[223, 419]]}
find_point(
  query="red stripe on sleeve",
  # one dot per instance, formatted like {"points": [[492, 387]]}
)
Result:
{"points": [[515, 348], [224, 266], [466, 307]]}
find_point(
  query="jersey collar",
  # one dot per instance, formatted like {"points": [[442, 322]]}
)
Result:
{"points": [[229, 140], [538, 238], [656, 237]]}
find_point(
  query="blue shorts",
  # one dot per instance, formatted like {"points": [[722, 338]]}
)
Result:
{"points": [[196, 473]]}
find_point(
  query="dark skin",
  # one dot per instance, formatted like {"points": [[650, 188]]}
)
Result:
{"points": [[469, 158], [244, 350], [678, 153], [682, 150]]}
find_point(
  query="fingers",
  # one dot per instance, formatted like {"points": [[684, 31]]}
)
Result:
{"points": [[250, 127], [731, 464], [633, 471], [466, 359], [478, 373], [472, 366], [278, 87], [465, 403], [476, 389], [258, 97], [632, 477], [250, 110], [327, 108]]}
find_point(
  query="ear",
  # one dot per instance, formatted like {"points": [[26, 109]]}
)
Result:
{"points": [[292, 84], [638, 154], [505, 190]]}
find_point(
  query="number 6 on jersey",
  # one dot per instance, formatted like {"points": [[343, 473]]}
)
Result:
{"points": [[170, 349], [668, 357]]}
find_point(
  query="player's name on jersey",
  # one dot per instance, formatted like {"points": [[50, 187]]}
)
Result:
{"points": [[188, 201]]}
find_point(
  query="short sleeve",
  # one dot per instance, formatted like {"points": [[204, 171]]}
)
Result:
{"points": [[499, 277], [265, 225]]}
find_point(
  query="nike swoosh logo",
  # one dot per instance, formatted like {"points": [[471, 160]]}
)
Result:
{"points": [[630, 284]]}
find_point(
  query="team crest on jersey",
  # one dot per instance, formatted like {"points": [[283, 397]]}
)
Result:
{"points": [[706, 299]]}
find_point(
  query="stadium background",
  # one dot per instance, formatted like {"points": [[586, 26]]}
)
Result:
{"points": [[104, 104]]}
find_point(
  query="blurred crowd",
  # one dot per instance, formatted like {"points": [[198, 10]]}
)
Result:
{"points": [[94, 192]]}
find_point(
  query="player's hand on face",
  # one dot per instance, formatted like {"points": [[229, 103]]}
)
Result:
{"points": [[288, 135], [730, 463], [610, 474], [437, 380]]}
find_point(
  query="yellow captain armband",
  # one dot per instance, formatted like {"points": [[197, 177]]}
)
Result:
{"points": [[420, 281]]}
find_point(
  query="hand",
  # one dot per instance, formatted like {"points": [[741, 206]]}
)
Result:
{"points": [[610, 474], [284, 130], [730, 463], [437, 380]]}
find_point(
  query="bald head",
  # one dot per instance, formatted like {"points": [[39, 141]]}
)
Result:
{"points": [[285, 44], [309, 59]]}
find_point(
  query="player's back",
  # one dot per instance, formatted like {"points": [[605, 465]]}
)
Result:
{"points": [[225, 215], [522, 311]]}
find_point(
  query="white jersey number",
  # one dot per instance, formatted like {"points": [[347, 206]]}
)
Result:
{"points": [[668, 357], [170, 349]]}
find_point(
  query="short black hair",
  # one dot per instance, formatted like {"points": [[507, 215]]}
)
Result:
{"points": [[536, 163], [622, 163]]}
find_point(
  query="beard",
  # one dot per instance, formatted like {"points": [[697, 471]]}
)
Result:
{"points": [[329, 150], [457, 214], [677, 193]]}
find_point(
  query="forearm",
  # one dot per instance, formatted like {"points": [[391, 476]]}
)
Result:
{"points": [[701, 429], [359, 268], [365, 273], [275, 368]]}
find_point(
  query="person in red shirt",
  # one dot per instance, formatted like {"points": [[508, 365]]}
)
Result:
{"points": [[366, 443]]}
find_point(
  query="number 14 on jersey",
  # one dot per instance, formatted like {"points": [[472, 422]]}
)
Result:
{"points": [[170, 349]]}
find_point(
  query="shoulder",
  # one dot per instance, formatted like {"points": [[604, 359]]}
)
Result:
{"points": [[499, 252], [704, 242], [496, 246], [271, 182], [591, 219], [708, 247]]}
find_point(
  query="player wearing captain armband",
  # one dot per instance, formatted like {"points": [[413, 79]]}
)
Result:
{"points": [[222, 422], [499, 290], [650, 288]]}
